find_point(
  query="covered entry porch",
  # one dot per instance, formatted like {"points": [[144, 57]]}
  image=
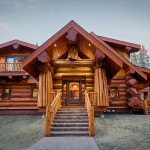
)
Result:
{"points": [[72, 69]]}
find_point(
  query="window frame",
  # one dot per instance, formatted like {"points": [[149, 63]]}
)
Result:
{"points": [[32, 95], [115, 88], [3, 95]]}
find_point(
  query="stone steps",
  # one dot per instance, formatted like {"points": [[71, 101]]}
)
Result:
{"points": [[69, 128], [72, 133], [70, 121], [69, 124]]}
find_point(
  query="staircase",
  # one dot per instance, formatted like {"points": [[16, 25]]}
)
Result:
{"points": [[70, 121]]}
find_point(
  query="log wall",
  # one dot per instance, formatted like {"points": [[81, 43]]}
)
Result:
{"points": [[21, 95], [79, 71], [122, 99]]}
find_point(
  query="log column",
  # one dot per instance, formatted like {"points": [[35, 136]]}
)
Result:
{"points": [[45, 87], [101, 87], [45, 80]]}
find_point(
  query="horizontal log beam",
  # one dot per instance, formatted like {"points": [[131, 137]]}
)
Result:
{"points": [[133, 101], [78, 69], [128, 78], [132, 82], [130, 72], [132, 91], [68, 63], [59, 75]]}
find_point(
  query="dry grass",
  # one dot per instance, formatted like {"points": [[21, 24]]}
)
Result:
{"points": [[123, 132], [114, 132]]}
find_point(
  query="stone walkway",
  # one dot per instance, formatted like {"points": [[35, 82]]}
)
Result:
{"points": [[65, 143]]}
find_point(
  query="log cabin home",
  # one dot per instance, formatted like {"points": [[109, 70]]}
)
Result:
{"points": [[73, 70]]}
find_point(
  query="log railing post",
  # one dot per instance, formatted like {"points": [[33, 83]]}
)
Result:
{"points": [[47, 121], [145, 107], [91, 121], [90, 110], [145, 103]]}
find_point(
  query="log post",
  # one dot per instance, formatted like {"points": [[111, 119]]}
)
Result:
{"points": [[47, 121], [45, 80], [145, 107], [91, 121], [101, 87], [40, 97]]}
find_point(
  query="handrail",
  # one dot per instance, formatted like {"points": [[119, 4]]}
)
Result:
{"points": [[51, 110], [90, 110], [11, 67]]}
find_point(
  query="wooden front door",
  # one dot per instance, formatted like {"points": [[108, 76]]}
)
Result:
{"points": [[73, 92]]}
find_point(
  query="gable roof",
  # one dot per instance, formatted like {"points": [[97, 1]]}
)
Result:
{"points": [[134, 47], [125, 61], [111, 58], [25, 44]]}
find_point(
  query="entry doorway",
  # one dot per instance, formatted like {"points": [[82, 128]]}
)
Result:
{"points": [[73, 91]]}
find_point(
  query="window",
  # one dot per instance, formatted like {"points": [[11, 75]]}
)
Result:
{"points": [[13, 63], [17, 59], [6, 93], [114, 92], [34, 92]]}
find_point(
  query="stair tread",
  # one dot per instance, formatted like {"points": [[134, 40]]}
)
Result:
{"points": [[68, 113], [70, 119], [75, 132], [69, 127], [70, 123]]}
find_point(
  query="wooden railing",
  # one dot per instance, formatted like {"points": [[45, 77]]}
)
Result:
{"points": [[53, 95], [51, 110], [146, 106], [11, 67], [93, 98], [90, 110]]}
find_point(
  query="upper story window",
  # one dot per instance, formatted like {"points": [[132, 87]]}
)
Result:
{"points": [[14, 59], [14, 63]]}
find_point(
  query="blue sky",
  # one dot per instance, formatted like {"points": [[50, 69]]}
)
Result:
{"points": [[34, 21]]}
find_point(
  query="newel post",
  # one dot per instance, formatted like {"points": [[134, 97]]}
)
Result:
{"points": [[145, 103], [91, 121]]}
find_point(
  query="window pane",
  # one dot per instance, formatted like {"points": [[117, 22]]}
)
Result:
{"points": [[114, 92], [35, 92], [74, 90]]}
